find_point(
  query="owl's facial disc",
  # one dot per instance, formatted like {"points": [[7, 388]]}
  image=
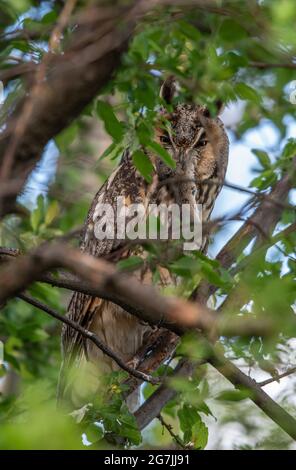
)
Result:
{"points": [[184, 140], [186, 126]]}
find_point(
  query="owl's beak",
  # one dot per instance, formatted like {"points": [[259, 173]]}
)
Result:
{"points": [[184, 155], [198, 137]]}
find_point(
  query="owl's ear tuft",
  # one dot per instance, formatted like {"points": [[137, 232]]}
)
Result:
{"points": [[206, 113], [168, 89], [219, 106], [216, 109]]}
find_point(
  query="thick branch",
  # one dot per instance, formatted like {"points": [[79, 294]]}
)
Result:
{"points": [[22, 271], [152, 407], [141, 300], [155, 403], [257, 395], [72, 80]]}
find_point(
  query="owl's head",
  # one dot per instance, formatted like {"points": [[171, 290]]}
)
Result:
{"points": [[192, 134]]}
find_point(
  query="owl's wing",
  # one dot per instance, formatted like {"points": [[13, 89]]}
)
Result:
{"points": [[126, 182]]}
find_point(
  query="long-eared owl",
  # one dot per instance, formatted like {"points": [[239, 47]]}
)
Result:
{"points": [[199, 146]]}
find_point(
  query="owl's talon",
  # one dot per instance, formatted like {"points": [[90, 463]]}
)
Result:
{"points": [[134, 362]]}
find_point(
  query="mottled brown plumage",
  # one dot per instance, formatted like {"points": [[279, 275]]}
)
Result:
{"points": [[199, 145]]}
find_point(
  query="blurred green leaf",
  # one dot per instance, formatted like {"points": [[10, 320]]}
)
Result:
{"points": [[164, 155], [112, 125], [232, 31], [143, 164], [66, 137], [245, 92], [233, 395], [52, 212], [129, 264], [263, 158]]}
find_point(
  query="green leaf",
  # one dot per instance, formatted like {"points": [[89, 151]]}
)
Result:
{"points": [[94, 433], [265, 180], [289, 149], [52, 212], [40, 203], [232, 31], [236, 60], [185, 266], [129, 428], [187, 417], [112, 125], [148, 390], [181, 384], [38, 335], [190, 31], [164, 155], [19, 6], [37, 214], [108, 150], [35, 219], [233, 395], [245, 92], [49, 17], [200, 435], [190, 346], [262, 157], [65, 138], [212, 276], [143, 164], [129, 264], [203, 408], [192, 426], [144, 133]]}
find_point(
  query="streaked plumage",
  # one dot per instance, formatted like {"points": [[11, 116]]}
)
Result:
{"points": [[199, 145]]}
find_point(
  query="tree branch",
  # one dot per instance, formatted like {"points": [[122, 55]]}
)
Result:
{"points": [[268, 65], [162, 349], [154, 404], [241, 381], [143, 301], [72, 80], [288, 372], [265, 216], [169, 429], [90, 336], [24, 270]]}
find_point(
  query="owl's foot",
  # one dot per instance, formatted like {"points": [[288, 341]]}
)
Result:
{"points": [[149, 343], [134, 362]]}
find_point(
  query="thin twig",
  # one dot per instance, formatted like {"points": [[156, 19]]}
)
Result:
{"points": [[176, 438], [290, 371], [62, 22], [91, 336]]}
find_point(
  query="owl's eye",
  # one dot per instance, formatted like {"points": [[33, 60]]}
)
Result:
{"points": [[164, 139], [201, 142]]}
